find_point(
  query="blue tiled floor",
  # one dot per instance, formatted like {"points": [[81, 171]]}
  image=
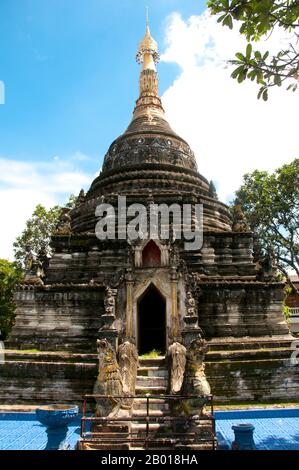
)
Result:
{"points": [[274, 429], [21, 431]]}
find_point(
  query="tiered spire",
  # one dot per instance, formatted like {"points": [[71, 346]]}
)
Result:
{"points": [[148, 56], [148, 50]]}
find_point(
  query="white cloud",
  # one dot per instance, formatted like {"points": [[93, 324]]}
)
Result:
{"points": [[23, 185], [230, 131]]}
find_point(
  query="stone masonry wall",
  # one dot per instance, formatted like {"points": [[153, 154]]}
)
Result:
{"points": [[57, 319]]}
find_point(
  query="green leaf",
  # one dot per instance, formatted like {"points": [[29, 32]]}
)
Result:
{"points": [[228, 21], [277, 80], [240, 56], [248, 51], [265, 95], [260, 93], [221, 18], [236, 72], [242, 75]]}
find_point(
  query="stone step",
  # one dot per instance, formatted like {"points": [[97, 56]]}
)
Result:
{"points": [[204, 430], [169, 445], [262, 353], [98, 444], [47, 356], [244, 343], [140, 428], [152, 413], [152, 444], [153, 371], [152, 362], [144, 381], [155, 404], [152, 390]]}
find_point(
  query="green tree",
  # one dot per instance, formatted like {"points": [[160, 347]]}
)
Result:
{"points": [[257, 18], [38, 230], [10, 276], [271, 205]]}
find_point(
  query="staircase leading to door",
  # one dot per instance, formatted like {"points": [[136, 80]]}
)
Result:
{"points": [[151, 426]]}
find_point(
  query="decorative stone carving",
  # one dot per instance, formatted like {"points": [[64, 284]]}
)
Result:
{"points": [[239, 220], [29, 259], [176, 358], [108, 317], [129, 275], [191, 330], [128, 362], [195, 382], [63, 226], [147, 150], [115, 381], [34, 272], [130, 254], [191, 320], [43, 258], [80, 198], [173, 274], [257, 249], [110, 301], [116, 280], [190, 305], [212, 190], [182, 268], [191, 280], [109, 381], [267, 269]]}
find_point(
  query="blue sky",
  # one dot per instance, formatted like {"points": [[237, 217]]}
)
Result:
{"points": [[69, 72], [71, 81]]}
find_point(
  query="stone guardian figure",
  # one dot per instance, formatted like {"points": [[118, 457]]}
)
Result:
{"points": [[128, 363], [195, 381], [109, 381], [176, 356]]}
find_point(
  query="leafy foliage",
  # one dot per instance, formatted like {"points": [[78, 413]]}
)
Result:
{"points": [[38, 230], [10, 276], [271, 205], [256, 19], [152, 354]]}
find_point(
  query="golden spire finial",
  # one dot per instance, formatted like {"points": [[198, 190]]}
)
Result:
{"points": [[148, 49], [148, 56]]}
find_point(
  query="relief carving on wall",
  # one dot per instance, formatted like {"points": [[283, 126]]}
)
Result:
{"points": [[149, 150]]}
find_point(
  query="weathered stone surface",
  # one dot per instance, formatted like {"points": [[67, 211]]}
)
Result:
{"points": [[219, 289], [60, 318], [176, 356], [258, 376]]}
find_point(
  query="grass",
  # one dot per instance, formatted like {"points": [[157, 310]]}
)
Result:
{"points": [[152, 354]]}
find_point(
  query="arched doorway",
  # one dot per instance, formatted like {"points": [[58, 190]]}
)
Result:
{"points": [[151, 321]]}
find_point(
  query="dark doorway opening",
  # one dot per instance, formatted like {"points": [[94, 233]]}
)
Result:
{"points": [[151, 321]]}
